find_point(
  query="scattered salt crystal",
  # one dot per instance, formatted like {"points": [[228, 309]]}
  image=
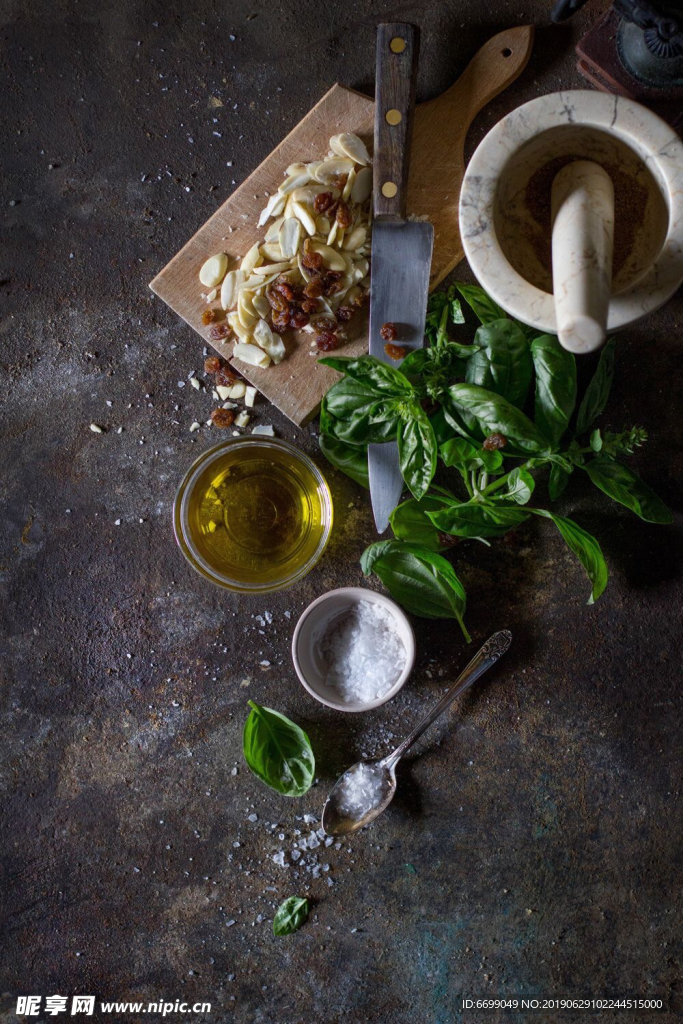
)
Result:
{"points": [[253, 817], [360, 791], [279, 859], [364, 652]]}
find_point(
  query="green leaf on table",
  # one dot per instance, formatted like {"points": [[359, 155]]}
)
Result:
{"points": [[555, 386], [503, 363], [381, 377], [481, 304], [584, 546], [557, 481], [278, 752], [417, 451], [465, 457], [597, 392], [596, 440], [422, 581], [474, 519], [410, 522], [351, 459], [520, 486], [290, 915], [353, 412], [621, 484], [494, 415]]}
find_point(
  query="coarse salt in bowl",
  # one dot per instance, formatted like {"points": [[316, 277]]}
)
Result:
{"points": [[353, 649]]}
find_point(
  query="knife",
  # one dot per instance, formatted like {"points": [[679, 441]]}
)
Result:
{"points": [[401, 250]]}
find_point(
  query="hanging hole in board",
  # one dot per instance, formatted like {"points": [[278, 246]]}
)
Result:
{"points": [[393, 117], [507, 52], [397, 45]]}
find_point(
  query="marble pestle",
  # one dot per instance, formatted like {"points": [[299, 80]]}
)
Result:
{"points": [[582, 244]]}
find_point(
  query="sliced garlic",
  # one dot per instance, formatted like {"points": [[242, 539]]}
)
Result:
{"points": [[273, 268], [262, 306], [223, 391], [293, 181], [333, 232], [237, 390], [273, 208], [263, 431], [295, 169], [251, 354], [242, 332], [329, 169], [272, 250], [362, 185], [323, 224], [290, 236], [349, 184], [242, 419], [213, 271], [250, 397], [332, 258], [269, 341], [351, 146], [245, 310], [251, 260], [212, 295], [274, 230], [302, 214], [356, 238], [231, 283]]}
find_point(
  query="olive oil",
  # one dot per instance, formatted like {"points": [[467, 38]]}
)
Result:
{"points": [[257, 515]]}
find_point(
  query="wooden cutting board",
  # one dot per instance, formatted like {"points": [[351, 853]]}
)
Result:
{"points": [[297, 384]]}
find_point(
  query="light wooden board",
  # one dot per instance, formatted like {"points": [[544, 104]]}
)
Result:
{"points": [[297, 384]]}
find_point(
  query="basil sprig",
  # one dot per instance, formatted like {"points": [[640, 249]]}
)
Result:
{"points": [[509, 387], [278, 752]]}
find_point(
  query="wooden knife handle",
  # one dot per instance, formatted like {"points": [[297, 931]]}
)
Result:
{"points": [[398, 45]]}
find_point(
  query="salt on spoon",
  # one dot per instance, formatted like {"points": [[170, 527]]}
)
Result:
{"points": [[367, 788]]}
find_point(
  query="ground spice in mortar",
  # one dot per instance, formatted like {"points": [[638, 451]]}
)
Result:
{"points": [[630, 201]]}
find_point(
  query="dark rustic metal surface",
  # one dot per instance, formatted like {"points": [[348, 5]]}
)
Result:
{"points": [[535, 845]]}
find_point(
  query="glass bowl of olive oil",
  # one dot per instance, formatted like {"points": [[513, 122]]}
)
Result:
{"points": [[253, 515]]}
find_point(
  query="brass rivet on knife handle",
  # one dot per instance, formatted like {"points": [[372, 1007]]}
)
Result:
{"points": [[398, 45]]}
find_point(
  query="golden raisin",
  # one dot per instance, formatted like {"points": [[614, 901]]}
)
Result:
{"points": [[327, 341], [222, 417], [345, 313], [219, 331], [225, 376], [324, 323], [344, 217], [212, 364], [209, 315], [322, 202], [493, 442], [389, 331], [395, 351]]}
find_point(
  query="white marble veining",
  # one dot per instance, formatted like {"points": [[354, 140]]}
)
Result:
{"points": [[505, 202]]}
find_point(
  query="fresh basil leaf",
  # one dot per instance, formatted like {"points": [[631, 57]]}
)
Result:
{"points": [[557, 481], [457, 316], [349, 458], [417, 451], [596, 440], [520, 486], [278, 752], [474, 519], [503, 364], [410, 522], [555, 386], [491, 461], [422, 581], [414, 363], [584, 546], [353, 413], [443, 431], [290, 915], [597, 392], [494, 415], [373, 373], [482, 304], [465, 456], [621, 484]]}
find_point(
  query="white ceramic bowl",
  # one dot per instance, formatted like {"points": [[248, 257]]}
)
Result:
{"points": [[325, 611]]}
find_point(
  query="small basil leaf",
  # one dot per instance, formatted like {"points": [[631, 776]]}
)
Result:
{"points": [[520, 486], [290, 915], [555, 386], [422, 581], [597, 392], [483, 306], [354, 413], [473, 519], [417, 451], [584, 546], [277, 751], [373, 373], [557, 481], [621, 484], [503, 364], [414, 363], [410, 522], [350, 459], [596, 440], [494, 415], [465, 456], [443, 431]]}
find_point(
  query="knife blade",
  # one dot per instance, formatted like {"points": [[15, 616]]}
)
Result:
{"points": [[401, 250]]}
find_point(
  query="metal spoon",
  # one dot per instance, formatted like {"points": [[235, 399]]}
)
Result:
{"points": [[334, 821]]}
